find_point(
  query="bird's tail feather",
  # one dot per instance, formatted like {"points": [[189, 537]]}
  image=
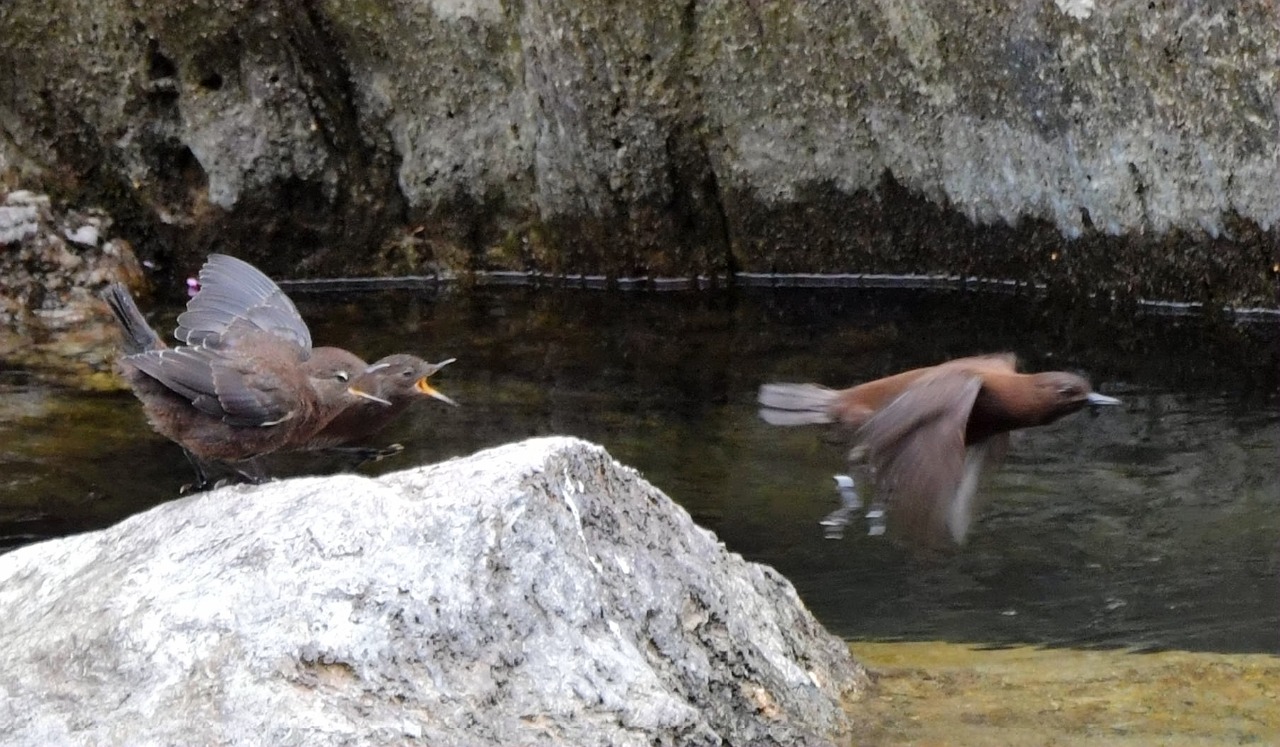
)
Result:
{"points": [[796, 404], [138, 335]]}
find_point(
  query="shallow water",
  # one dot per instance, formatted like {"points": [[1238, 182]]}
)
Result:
{"points": [[962, 696], [1153, 525]]}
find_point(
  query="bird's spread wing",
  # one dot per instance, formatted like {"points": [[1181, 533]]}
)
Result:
{"points": [[915, 448], [234, 298], [221, 385]]}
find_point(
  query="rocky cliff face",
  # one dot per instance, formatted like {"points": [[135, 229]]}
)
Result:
{"points": [[1134, 144]]}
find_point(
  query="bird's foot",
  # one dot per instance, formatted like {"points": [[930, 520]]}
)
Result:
{"points": [[362, 455], [850, 504], [377, 455], [250, 471], [835, 522], [875, 519], [193, 487]]}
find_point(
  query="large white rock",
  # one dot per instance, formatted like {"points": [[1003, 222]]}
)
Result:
{"points": [[536, 593]]}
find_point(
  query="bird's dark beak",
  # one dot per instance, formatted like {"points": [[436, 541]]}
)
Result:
{"points": [[424, 388], [1096, 399], [365, 395]]}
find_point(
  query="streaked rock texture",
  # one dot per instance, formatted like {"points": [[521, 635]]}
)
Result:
{"points": [[536, 593], [672, 138]]}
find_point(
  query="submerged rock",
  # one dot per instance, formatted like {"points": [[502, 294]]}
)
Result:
{"points": [[533, 593]]}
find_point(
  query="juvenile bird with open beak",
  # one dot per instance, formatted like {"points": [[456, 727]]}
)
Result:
{"points": [[245, 381], [388, 386]]}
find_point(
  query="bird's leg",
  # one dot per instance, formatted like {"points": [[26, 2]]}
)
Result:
{"points": [[851, 503], [202, 477], [837, 520], [876, 512]]}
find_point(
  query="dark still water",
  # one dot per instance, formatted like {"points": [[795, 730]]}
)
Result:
{"points": [[1154, 525]]}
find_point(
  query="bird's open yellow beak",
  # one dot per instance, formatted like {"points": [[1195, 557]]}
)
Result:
{"points": [[425, 388]]}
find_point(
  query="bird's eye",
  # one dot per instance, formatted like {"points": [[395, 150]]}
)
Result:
{"points": [[341, 375], [406, 373]]}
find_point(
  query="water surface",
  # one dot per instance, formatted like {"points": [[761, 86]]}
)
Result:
{"points": [[1153, 525]]}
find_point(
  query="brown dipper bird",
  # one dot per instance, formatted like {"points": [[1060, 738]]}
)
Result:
{"points": [[927, 434], [247, 382], [236, 298]]}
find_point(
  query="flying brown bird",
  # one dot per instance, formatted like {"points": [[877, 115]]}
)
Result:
{"points": [[926, 435]]}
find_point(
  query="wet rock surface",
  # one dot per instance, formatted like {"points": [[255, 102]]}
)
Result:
{"points": [[535, 593], [54, 261], [1041, 143]]}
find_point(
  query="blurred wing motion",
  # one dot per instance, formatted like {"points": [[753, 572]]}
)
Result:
{"points": [[915, 448]]}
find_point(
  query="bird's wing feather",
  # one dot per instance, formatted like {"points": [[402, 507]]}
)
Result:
{"points": [[220, 385], [187, 372], [253, 397], [235, 297], [915, 448]]}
